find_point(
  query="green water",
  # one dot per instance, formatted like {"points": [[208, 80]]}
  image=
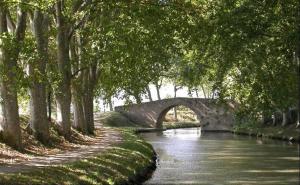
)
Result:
{"points": [[187, 156]]}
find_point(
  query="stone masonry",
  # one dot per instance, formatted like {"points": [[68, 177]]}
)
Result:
{"points": [[212, 115]]}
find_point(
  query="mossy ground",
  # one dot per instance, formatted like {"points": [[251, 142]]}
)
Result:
{"points": [[115, 119], [113, 166]]}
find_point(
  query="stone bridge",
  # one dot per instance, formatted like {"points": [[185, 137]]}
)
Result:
{"points": [[212, 115]]}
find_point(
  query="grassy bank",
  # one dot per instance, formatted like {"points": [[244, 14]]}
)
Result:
{"points": [[115, 119], [289, 132], [174, 125], [125, 163]]}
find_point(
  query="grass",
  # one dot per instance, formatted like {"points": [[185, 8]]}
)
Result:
{"points": [[287, 133], [174, 125], [115, 119], [114, 166]]}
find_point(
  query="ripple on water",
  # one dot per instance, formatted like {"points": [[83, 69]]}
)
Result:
{"points": [[187, 156]]}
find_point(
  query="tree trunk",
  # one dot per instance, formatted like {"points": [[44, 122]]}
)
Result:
{"points": [[213, 95], [157, 90], [89, 81], [266, 119], [38, 101], [284, 119], [149, 93], [197, 94], [203, 90], [138, 99], [63, 95], [9, 118], [79, 121], [298, 121], [88, 109], [190, 92], [111, 107], [278, 118], [175, 108], [77, 88], [297, 56], [49, 102]]}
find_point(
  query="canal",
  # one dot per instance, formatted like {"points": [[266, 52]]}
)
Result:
{"points": [[187, 156]]}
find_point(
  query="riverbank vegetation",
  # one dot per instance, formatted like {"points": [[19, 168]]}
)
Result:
{"points": [[128, 162], [287, 133], [175, 125]]}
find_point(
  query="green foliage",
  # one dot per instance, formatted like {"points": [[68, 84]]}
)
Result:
{"points": [[175, 125], [276, 132], [247, 50], [129, 44]]}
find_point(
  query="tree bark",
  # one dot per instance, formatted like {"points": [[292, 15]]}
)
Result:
{"points": [[284, 119], [157, 90], [175, 108], [137, 98], [149, 93], [90, 80], [203, 90], [49, 102], [79, 122], [297, 57], [9, 117], [110, 103], [38, 100], [63, 94], [197, 94], [88, 108], [190, 92]]}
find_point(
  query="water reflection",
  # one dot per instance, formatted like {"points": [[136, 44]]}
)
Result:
{"points": [[183, 134], [188, 157]]}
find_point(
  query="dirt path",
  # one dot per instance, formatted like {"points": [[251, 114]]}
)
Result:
{"points": [[103, 142]]}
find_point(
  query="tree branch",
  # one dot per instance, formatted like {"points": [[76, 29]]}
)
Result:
{"points": [[21, 24], [78, 25], [80, 5], [78, 71], [10, 22]]}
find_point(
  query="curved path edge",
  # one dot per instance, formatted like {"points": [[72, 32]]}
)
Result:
{"points": [[108, 138]]}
